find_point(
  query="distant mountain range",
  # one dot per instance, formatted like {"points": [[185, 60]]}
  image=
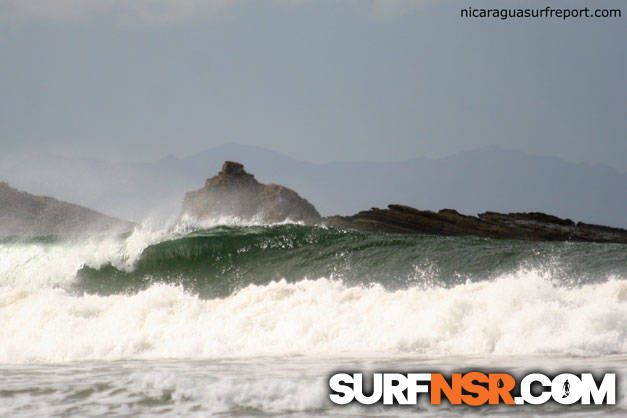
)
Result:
{"points": [[485, 179]]}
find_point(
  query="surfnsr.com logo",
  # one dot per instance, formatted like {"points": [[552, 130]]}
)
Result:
{"points": [[472, 388]]}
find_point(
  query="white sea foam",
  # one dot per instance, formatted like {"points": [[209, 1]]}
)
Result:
{"points": [[520, 313], [187, 222], [37, 264], [224, 394]]}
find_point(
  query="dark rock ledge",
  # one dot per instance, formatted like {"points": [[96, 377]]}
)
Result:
{"points": [[534, 226]]}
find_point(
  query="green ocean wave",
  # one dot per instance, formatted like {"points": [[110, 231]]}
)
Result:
{"points": [[218, 261]]}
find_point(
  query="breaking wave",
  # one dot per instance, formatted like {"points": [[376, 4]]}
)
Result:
{"points": [[239, 291], [515, 314]]}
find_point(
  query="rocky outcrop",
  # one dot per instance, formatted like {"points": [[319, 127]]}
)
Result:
{"points": [[234, 192], [24, 214], [533, 226]]}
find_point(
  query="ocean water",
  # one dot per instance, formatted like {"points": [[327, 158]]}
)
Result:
{"points": [[242, 320]]}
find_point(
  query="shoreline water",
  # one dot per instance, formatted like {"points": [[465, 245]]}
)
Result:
{"points": [[277, 386]]}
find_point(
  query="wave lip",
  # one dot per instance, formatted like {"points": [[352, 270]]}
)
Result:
{"points": [[219, 261]]}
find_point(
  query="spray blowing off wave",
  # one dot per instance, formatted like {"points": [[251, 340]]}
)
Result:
{"points": [[514, 314]]}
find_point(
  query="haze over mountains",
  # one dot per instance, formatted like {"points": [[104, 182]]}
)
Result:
{"points": [[474, 181], [24, 214]]}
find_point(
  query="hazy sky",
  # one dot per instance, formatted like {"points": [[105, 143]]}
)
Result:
{"points": [[317, 80]]}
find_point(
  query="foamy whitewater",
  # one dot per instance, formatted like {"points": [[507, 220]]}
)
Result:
{"points": [[251, 320]]}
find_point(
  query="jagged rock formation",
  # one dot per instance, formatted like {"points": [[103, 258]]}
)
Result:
{"points": [[234, 192], [24, 214], [533, 226]]}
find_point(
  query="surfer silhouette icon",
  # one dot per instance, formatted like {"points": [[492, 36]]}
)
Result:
{"points": [[566, 389]]}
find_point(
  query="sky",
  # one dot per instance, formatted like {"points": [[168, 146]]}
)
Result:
{"points": [[321, 81]]}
